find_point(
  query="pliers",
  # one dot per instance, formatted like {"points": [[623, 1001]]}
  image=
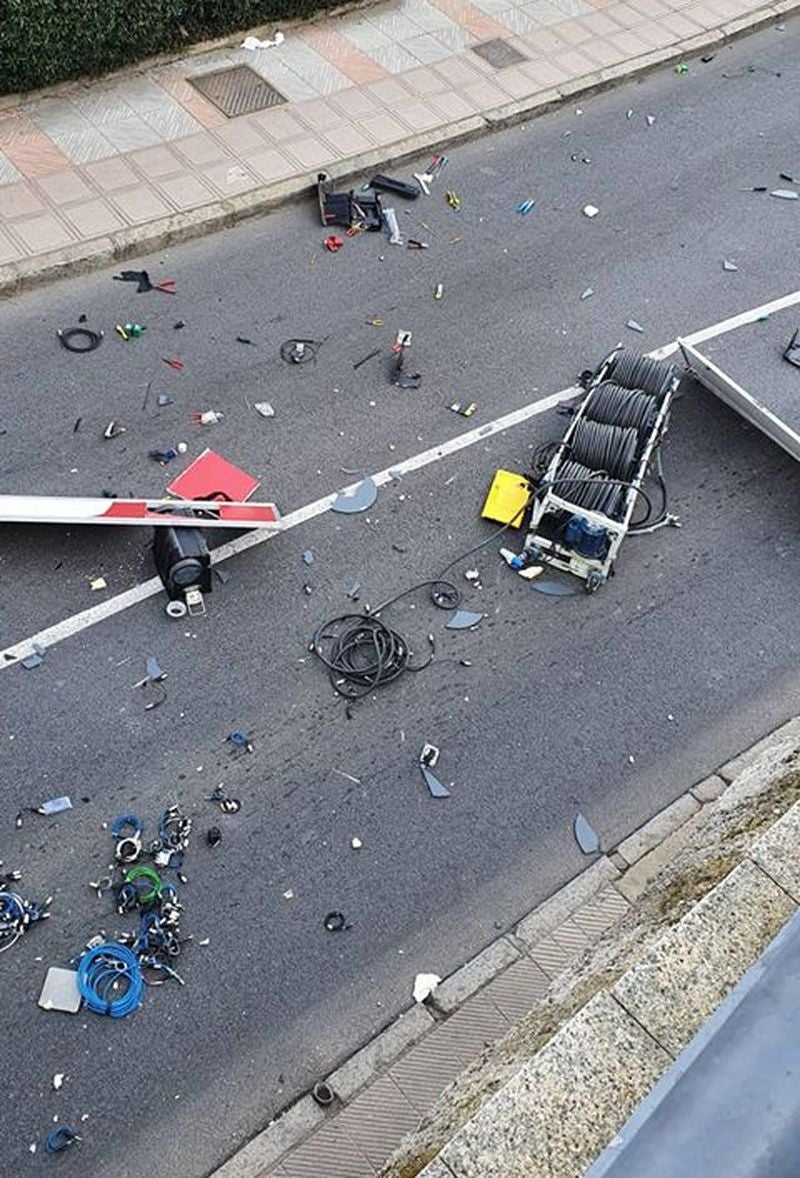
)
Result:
{"points": [[453, 199], [166, 286], [174, 362]]}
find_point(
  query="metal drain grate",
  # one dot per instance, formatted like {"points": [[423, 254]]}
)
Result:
{"points": [[499, 53], [238, 90]]}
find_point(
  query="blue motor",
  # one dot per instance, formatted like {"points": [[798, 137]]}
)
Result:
{"points": [[587, 539]]}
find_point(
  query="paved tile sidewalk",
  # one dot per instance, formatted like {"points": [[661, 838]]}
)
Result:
{"points": [[103, 161]]}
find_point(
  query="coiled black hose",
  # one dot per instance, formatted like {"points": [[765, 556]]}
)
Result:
{"points": [[635, 371], [609, 448], [362, 653], [587, 488], [614, 405]]}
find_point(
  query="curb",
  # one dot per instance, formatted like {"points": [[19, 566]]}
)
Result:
{"points": [[84, 257], [642, 855]]}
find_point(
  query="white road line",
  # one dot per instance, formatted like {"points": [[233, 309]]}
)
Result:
{"points": [[116, 605]]}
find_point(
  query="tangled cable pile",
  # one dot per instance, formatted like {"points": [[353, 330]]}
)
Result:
{"points": [[17, 915], [112, 974]]}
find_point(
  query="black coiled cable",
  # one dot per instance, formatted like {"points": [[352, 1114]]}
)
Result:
{"points": [[588, 488], [609, 448], [635, 371], [614, 405]]}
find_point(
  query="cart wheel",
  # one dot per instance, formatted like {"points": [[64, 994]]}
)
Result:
{"points": [[593, 582]]}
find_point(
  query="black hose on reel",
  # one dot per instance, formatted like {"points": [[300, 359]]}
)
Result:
{"points": [[609, 448], [612, 404]]}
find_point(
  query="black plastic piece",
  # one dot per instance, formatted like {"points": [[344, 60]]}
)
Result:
{"points": [[182, 560], [397, 187]]}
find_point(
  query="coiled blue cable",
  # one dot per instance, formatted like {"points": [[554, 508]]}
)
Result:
{"points": [[125, 823], [103, 968]]}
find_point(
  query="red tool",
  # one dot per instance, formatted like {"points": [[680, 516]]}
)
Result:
{"points": [[167, 286], [174, 362], [333, 244]]}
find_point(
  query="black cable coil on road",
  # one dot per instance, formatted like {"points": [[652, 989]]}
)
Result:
{"points": [[635, 371], [601, 447], [588, 488], [615, 405]]}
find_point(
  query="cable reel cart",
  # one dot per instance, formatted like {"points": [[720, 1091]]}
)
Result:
{"points": [[593, 478]]}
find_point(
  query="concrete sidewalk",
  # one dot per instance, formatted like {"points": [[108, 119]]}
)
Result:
{"points": [[97, 171]]}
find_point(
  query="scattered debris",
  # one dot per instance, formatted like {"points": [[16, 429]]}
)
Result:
{"points": [[333, 243], [356, 844], [453, 200], [206, 417], [730, 266], [424, 986], [36, 659], [98, 583], [335, 922], [226, 804], [210, 476], [786, 194], [585, 835], [129, 331], [143, 283], [322, 1093], [344, 208], [365, 359], [17, 915], [396, 187], [791, 352], [587, 294], [357, 498], [240, 741], [213, 836], [113, 430], [632, 325], [464, 619], [54, 806], [590, 211], [308, 557], [464, 409], [682, 69], [390, 218], [60, 991], [525, 207], [61, 1138], [553, 589], [58, 1080], [413, 244], [165, 456], [164, 399], [354, 591], [427, 761], [70, 335], [253, 43], [299, 351], [650, 119], [264, 408], [438, 292]]}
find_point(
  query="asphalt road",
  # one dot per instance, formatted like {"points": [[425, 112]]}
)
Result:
{"points": [[567, 703]]}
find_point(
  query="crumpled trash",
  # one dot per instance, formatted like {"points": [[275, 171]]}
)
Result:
{"points": [[254, 42], [424, 986]]}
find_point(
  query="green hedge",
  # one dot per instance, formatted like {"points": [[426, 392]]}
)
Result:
{"points": [[47, 41]]}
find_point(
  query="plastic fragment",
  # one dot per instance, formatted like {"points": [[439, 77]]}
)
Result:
{"points": [[54, 806], [650, 119], [153, 669], [786, 194], [464, 619], [390, 219], [424, 986], [587, 294], [553, 589], [585, 835], [463, 408], [634, 326], [435, 787], [98, 583], [590, 211], [525, 207], [264, 408], [308, 557], [60, 990], [728, 265], [682, 69], [58, 1080], [356, 844], [358, 498]]}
